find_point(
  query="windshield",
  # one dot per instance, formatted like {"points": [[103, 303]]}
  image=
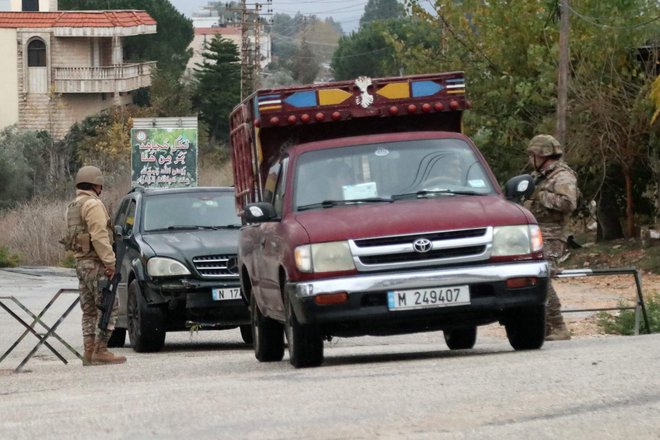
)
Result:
{"points": [[389, 171], [189, 211]]}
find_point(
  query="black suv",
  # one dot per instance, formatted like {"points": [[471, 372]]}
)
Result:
{"points": [[178, 265]]}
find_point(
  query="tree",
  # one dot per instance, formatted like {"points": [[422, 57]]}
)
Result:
{"points": [[509, 53], [218, 81], [301, 45], [168, 96], [377, 10], [23, 165], [375, 49], [305, 65]]}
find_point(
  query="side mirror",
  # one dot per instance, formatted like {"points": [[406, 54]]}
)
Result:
{"points": [[518, 187], [119, 232], [259, 212]]}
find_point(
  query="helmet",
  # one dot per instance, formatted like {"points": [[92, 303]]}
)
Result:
{"points": [[544, 145], [89, 174]]}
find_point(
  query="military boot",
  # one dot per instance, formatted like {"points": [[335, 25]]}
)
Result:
{"points": [[88, 342], [102, 356], [558, 332]]}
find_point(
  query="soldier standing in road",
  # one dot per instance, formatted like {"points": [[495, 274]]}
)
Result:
{"points": [[552, 203], [89, 236]]}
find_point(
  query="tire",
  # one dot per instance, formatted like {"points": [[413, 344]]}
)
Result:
{"points": [[267, 335], [304, 341], [118, 338], [461, 338], [525, 328], [146, 324], [246, 334]]}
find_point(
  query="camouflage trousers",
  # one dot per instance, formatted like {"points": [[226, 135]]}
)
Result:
{"points": [[90, 273], [553, 250]]}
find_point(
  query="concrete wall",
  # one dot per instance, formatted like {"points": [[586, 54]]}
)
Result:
{"points": [[8, 78], [71, 52], [58, 113]]}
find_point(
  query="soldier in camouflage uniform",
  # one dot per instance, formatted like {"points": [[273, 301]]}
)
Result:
{"points": [[552, 203], [89, 236]]}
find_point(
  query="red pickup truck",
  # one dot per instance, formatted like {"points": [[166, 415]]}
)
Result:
{"points": [[367, 212]]}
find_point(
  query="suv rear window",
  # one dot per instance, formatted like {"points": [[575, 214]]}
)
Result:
{"points": [[209, 209]]}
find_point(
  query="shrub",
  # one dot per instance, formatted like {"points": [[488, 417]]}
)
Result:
{"points": [[8, 259], [623, 323]]}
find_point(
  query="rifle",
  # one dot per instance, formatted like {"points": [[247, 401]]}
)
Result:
{"points": [[109, 288]]}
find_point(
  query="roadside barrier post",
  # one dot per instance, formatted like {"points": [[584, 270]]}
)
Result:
{"points": [[639, 306]]}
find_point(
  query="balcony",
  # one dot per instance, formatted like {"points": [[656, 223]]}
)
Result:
{"points": [[105, 79]]}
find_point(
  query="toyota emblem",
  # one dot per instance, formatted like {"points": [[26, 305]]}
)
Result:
{"points": [[422, 245]]}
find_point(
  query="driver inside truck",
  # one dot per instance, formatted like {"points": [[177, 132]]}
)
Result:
{"points": [[340, 175]]}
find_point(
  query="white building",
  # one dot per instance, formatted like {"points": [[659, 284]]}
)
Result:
{"points": [[61, 66]]}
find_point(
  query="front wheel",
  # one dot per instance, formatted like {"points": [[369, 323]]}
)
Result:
{"points": [[305, 342], [267, 335], [525, 327], [146, 324], [461, 338]]}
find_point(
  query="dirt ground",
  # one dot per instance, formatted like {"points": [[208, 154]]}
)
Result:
{"points": [[593, 292]]}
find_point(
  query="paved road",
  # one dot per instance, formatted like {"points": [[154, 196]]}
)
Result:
{"points": [[209, 386]]}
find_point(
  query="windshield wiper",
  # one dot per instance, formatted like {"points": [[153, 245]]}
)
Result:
{"points": [[425, 193], [331, 203], [192, 227]]}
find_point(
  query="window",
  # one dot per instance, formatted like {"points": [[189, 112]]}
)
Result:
{"points": [[130, 219], [37, 54], [280, 189], [30, 6], [388, 169]]}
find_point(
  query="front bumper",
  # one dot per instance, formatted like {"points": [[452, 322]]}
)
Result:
{"points": [[367, 312], [194, 298]]}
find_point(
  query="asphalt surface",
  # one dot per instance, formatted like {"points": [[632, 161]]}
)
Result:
{"points": [[208, 385]]}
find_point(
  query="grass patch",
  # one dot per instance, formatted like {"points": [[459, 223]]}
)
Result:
{"points": [[623, 323], [68, 261], [8, 259]]}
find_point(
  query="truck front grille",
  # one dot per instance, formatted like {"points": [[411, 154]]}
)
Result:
{"points": [[432, 255], [217, 266], [439, 248]]}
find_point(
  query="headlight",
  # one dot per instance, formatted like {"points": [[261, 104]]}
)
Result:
{"points": [[166, 267], [516, 240], [324, 257]]}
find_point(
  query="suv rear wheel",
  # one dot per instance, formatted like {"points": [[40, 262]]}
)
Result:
{"points": [[146, 324], [267, 335], [461, 338], [525, 327], [304, 341]]}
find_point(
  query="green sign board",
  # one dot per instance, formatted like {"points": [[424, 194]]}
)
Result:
{"points": [[164, 157]]}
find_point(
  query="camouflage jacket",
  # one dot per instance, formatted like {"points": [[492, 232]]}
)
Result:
{"points": [[554, 199], [99, 229]]}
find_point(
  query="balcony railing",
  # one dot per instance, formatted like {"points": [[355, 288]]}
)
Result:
{"points": [[105, 79]]}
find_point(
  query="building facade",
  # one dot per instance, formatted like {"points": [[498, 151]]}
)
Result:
{"points": [[62, 66], [206, 28]]}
